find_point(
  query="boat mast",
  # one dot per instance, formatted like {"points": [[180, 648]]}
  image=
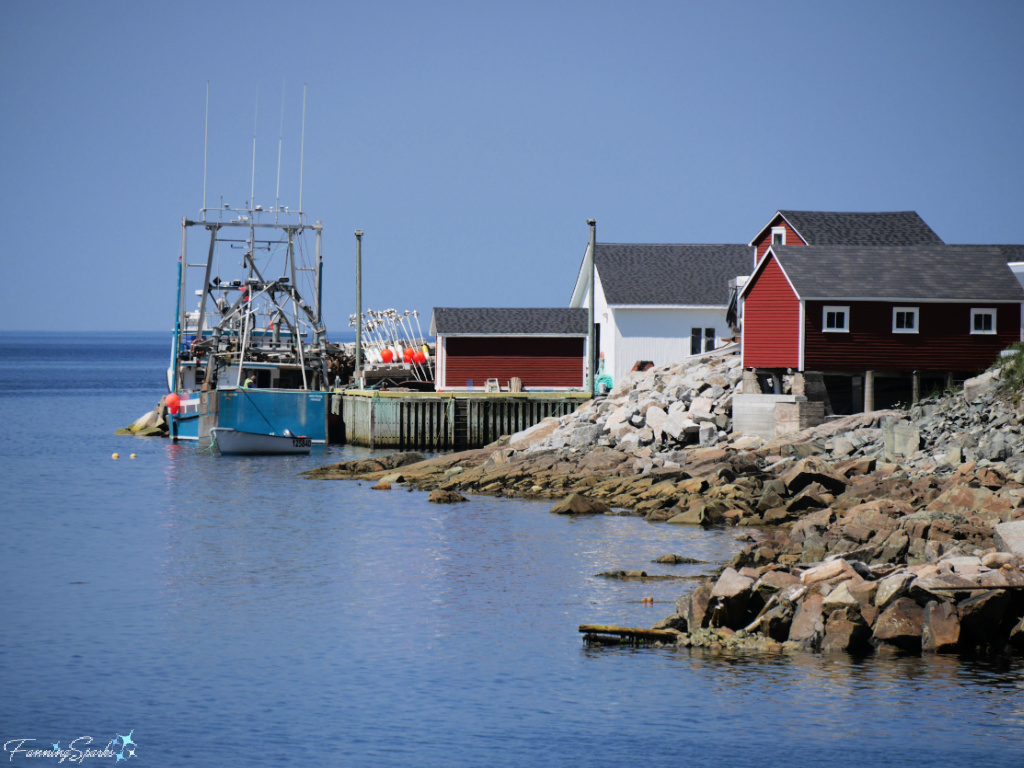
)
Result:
{"points": [[206, 282], [181, 308]]}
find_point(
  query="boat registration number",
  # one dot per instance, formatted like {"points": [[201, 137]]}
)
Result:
{"points": [[302, 442]]}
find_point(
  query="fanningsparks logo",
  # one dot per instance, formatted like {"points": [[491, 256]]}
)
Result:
{"points": [[78, 751]]}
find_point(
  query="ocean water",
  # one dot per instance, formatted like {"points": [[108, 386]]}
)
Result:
{"points": [[228, 612]]}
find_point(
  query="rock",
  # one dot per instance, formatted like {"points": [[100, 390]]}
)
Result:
{"points": [[729, 598], [941, 630], [980, 618], [981, 385], [900, 625], [892, 588], [901, 438], [808, 627], [674, 621], [696, 608], [585, 435], [846, 631], [382, 486], [998, 559], [577, 504], [445, 497], [520, 441], [823, 572], [679, 560], [1009, 537], [813, 470], [840, 597]]}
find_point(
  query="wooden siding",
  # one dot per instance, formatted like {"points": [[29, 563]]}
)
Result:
{"points": [[944, 341], [771, 321], [792, 238], [539, 362]]}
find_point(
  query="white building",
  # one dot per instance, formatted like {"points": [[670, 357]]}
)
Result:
{"points": [[660, 303]]}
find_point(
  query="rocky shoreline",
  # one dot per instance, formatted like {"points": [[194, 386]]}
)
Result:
{"points": [[885, 532]]}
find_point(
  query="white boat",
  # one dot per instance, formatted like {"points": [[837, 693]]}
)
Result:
{"points": [[232, 442]]}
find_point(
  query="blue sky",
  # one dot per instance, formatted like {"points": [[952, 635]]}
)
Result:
{"points": [[471, 141]]}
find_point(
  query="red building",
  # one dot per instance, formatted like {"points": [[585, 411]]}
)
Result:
{"points": [[842, 228], [543, 347], [940, 309]]}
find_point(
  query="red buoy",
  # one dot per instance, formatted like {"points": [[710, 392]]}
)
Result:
{"points": [[387, 355], [420, 358], [173, 403]]}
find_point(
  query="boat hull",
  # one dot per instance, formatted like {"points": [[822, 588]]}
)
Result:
{"points": [[260, 411], [232, 442]]}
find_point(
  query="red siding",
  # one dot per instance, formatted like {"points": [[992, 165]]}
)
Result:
{"points": [[792, 238], [539, 362], [771, 321], [944, 341]]}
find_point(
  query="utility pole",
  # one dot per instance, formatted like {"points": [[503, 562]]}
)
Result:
{"points": [[359, 306], [591, 329]]}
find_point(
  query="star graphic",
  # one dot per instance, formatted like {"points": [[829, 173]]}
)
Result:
{"points": [[127, 739], [120, 756], [130, 751], [56, 747]]}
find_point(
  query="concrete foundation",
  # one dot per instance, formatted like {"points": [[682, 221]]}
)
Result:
{"points": [[771, 416]]}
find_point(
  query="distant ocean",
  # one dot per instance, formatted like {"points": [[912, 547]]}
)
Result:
{"points": [[228, 612]]}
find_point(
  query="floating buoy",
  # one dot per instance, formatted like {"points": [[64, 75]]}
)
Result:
{"points": [[132, 456], [115, 456], [648, 601]]}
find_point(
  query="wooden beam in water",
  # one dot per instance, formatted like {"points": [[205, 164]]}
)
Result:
{"points": [[607, 635]]}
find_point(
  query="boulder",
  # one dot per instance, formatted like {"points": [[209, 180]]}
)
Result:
{"points": [[839, 598], [729, 599], [577, 504], [382, 486], [900, 625], [813, 470], [941, 631], [846, 631], [520, 441], [445, 497], [1009, 537], [981, 617], [808, 627], [696, 608]]}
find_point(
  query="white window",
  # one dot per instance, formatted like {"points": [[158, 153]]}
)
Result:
{"points": [[836, 320], [904, 319], [983, 321], [778, 235]]}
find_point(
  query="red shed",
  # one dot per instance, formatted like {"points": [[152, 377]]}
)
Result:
{"points": [[939, 308], [543, 347], [842, 228]]}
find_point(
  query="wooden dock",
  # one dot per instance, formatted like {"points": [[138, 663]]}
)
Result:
{"points": [[443, 420]]}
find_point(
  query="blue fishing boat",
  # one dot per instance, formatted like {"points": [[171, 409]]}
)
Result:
{"points": [[252, 355]]}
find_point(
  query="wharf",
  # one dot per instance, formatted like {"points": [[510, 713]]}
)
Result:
{"points": [[442, 420]]}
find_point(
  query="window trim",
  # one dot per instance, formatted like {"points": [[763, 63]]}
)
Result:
{"points": [[915, 311], [981, 311], [781, 231], [845, 309]]}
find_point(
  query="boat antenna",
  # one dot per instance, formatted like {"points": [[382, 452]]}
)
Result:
{"points": [[252, 195], [302, 146], [280, 139], [206, 144]]}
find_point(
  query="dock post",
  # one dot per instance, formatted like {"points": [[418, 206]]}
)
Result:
{"points": [[869, 391]]}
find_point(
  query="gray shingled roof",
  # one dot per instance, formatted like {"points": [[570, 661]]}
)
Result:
{"points": [[886, 228], [670, 274], [509, 321], [945, 272]]}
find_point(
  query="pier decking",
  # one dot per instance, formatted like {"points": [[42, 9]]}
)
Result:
{"points": [[443, 420]]}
